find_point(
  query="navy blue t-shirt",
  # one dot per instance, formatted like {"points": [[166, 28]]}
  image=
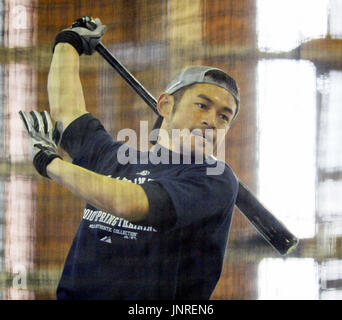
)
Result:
{"points": [[176, 253]]}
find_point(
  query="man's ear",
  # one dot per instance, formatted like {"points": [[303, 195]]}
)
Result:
{"points": [[165, 104]]}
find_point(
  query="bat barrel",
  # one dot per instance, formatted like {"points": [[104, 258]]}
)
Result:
{"points": [[263, 220]]}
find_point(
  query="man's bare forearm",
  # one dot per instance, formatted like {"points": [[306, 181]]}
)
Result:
{"points": [[122, 198], [65, 92]]}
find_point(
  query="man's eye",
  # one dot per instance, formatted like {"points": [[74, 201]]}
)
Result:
{"points": [[224, 117], [201, 105]]}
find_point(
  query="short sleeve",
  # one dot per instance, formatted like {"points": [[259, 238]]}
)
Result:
{"points": [[87, 141], [195, 196], [162, 213]]}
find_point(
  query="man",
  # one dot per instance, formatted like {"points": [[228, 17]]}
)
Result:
{"points": [[164, 235]]}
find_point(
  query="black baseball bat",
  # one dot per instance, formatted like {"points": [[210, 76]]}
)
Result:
{"points": [[280, 238]]}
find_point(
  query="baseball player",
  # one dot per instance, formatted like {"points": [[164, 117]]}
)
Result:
{"points": [[148, 231]]}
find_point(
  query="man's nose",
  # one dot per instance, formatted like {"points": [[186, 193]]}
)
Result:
{"points": [[209, 120]]}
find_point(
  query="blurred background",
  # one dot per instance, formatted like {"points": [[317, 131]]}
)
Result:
{"points": [[285, 144]]}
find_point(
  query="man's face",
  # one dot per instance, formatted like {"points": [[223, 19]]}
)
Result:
{"points": [[203, 109]]}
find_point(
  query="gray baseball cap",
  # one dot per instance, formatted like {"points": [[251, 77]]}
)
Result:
{"points": [[205, 74]]}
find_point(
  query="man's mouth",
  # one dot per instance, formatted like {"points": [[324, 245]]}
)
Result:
{"points": [[205, 135]]}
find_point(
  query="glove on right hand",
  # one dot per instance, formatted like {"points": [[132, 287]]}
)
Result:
{"points": [[84, 34]]}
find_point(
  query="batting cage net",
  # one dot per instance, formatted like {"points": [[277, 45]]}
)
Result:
{"points": [[284, 144]]}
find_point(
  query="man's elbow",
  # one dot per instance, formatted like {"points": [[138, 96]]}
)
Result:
{"points": [[133, 208], [135, 212]]}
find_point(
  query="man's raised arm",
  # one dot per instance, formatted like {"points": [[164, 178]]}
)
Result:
{"points": [[65, 92]]}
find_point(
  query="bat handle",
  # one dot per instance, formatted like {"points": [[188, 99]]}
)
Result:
{"points": [[132, 81], [262, 219], [127, 76]]}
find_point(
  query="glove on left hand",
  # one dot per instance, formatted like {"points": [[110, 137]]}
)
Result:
{"points": [[39, 128]]}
